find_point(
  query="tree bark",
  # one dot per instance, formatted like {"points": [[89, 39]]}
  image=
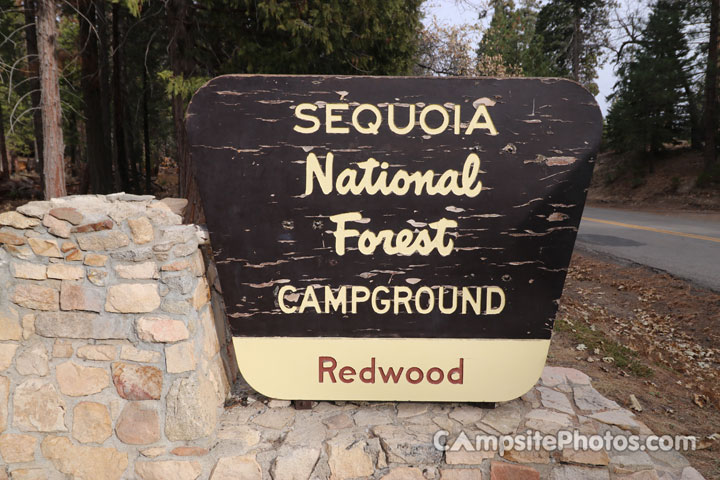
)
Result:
{"points": [[118, 101], [53, 147], [177, 13], [696, 133], [101, 23], [576, 42], [711, 93], [34, 83], [3, 149], [146, 132], [99, 156]]}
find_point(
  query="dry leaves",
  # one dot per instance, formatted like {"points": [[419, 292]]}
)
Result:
{"points": [[671, 323]]}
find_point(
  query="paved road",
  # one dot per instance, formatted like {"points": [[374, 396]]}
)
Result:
{"points": [[685, 245]]}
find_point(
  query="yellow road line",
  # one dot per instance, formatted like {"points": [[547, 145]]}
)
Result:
{"points": [[651, 229]]}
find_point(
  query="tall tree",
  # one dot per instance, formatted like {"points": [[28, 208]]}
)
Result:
{"points": [[711, 93], [178, 12], [101, 30], [650, 102], [572, 35], [510, 37], [99, 154], [30, 7], [146, 130], [3, 147], [119, 99], [53, 146]]}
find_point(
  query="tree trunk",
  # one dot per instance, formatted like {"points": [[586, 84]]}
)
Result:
{"points": [[146, 132], [177, 12], [53, 148], [34, 72], [99, 156], [118, 101], [104, 65], [695, 124], [576, 42], [3, 148], [711, 94]]}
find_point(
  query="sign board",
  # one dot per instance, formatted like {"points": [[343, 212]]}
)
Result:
{"points": [[392, 238]]}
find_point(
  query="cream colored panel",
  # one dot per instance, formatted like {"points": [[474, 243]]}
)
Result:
{"points": [[467, 370]]}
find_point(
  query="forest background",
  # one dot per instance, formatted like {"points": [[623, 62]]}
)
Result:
{"points": [[93, 92]]}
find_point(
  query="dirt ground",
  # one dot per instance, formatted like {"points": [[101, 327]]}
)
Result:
{"points": [[637, 331], [624, 180]]}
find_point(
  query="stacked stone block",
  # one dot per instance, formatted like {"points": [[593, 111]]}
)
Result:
{"points": [[109, 356]]}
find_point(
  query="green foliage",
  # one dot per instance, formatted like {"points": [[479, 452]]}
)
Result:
{"points": [[364, 37], [178, 85], [14, 91], [583, 331], [650, 101], [17, 121], [133, 6], [510, 37], [556, 42], [540, 42]]}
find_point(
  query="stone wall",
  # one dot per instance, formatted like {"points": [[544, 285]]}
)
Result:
{"points": [[109, 351]]}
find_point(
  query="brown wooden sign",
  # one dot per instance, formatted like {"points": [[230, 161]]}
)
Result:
{"points": [[365, 216]]}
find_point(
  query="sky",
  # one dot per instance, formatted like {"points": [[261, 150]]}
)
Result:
{"points": [[465, 11]]}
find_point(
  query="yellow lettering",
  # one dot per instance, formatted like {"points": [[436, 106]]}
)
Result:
{"points": [[437, 108], [391, 120], [489, 309], [368, 242], [341, 233], [487, 124], [457, 120], [443, 248], [443, 308], [372, 127], [310, 300], [383, 301], [335, 302], [308, 118], [358, 295], [450, 181], [394, 187], [474, 303], [281, 298], [313, 170], [405, 243], [469, 175], [346, 182], [402, 296], [330, 117], [431, 300]]}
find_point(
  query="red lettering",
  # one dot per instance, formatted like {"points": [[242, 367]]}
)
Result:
{"points": [[329, 370], [391, 374], [345, 372], [458, 371], [413, 375], [430, 373], [370, 370], [413, 370]]}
